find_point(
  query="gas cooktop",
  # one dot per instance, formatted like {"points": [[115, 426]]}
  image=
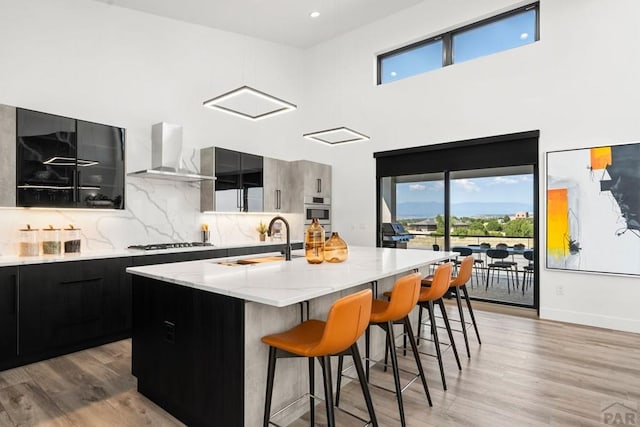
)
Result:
{"points": [[156, 246]]}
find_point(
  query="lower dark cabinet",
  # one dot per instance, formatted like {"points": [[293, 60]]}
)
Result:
{"points": [[8, 316], [71, 305], [188, 352]]}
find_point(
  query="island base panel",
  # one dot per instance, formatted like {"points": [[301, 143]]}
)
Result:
{"points": [[188, 352]]}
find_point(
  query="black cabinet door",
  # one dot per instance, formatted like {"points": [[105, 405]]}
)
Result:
{"points": [[45, 157], [100, 174], [252, 182], [8, 315], [239, 181], [68, 304]]}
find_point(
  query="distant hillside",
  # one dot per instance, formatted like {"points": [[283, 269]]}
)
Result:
{"points": [[431, 209]]}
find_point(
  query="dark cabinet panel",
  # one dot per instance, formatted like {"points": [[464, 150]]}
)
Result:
{"points": [[100, 166], [69, 304], [45, 157], [188, 352], [239, 181], [68, 163], [8, 316]]}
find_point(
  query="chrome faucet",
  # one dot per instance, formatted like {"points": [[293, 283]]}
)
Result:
{"points": [[287, 249]]}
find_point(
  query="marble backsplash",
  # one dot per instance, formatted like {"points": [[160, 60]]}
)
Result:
{"points": [[157, 211]]}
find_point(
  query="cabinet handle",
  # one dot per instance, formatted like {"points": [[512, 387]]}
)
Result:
{"points": [[278, 200], [319, 182], [14, 297]]}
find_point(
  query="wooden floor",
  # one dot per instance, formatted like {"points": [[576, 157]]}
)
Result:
{"points": [[526, 372]]}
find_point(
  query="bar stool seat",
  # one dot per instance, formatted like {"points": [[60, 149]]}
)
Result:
{"points": [[459, 284], [429, 296], [384, 314], [346, 322]]}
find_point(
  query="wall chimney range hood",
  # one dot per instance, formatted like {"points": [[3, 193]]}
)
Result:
{"points": [[166, 156]]}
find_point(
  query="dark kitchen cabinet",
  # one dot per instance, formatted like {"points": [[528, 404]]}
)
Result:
{"points": [[67, 163], [239, 181], [100, 176], [8, 316], [45, 158], [66, 306], [188, 352]]}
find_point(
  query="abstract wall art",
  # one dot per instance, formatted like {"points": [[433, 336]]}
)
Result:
{"points": [[593, 209]]}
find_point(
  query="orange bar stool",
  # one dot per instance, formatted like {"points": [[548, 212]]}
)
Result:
{"points": [[384, 314], [439, 285], [459, 284], [347, 320]]}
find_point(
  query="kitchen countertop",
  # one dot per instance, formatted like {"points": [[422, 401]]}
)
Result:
{"points": [[282, 283], [14, 260]]}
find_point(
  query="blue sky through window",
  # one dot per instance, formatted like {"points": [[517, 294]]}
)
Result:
{"points": [[504, 34], [412, 62], [511, 192]]}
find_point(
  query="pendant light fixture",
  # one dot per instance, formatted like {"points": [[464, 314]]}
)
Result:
{"points": [[335, 136], [249, 103], [338, 135], [246, 101]]}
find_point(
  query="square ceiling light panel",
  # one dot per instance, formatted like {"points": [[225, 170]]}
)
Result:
{"points": [[341, 135], [249, 103]]}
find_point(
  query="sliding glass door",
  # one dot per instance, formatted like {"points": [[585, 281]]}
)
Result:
{"points": [[475, 196], [417, 203], [492, 209]]}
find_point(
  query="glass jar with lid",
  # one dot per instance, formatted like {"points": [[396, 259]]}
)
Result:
{"points": [[51, 242], [72, 240], [28, 244]]}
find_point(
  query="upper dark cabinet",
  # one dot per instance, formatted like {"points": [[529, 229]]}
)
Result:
{"points": [[239, 181], [100, 166], [68, 163]]}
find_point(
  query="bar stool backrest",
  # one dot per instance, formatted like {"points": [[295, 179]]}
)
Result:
{"points": [[439, 284], [528, 254], [497, 253], [347, 320], [462, 250], [404, 296], [464, 271]]}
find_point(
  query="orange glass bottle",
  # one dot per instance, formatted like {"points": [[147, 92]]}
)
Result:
{"points": [[314, 243], [335, 249]]}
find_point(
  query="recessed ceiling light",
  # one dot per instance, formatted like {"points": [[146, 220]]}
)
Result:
{"points": [[314, 14], [524, 36], [393, 74]]}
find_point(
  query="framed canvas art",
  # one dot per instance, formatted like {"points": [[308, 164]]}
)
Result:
{"points": [[593, 209]]}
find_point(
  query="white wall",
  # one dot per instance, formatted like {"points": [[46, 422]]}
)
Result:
{"points": [[577, 85], [97, 62], [103, 63]]}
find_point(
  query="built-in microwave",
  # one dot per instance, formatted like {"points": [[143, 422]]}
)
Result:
{"points": [[322, 212], [317, 207]]}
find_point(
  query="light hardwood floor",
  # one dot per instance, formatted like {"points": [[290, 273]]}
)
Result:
{"points": [[526, 372]]}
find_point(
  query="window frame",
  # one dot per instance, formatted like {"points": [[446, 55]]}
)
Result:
{"points": [[447, 38]]}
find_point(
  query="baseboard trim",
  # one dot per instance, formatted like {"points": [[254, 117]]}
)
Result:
{"points": [[591, 319]]}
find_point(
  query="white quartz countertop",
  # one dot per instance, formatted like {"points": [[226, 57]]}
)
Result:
{"points": [[282, 283], [13, 260]]}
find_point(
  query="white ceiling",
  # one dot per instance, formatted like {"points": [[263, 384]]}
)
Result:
{"points": [[280, 21]]}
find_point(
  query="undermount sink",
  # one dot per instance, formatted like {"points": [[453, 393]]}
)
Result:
{"points": [[255, 261]]}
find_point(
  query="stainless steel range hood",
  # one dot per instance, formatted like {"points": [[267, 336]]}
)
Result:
{"points": [[166, 156]]}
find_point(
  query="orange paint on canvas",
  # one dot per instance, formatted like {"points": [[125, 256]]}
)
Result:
{"points": [[557, 221], [600, 157]]}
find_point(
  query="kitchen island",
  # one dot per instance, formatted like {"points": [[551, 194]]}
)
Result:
{"points": [[197, 326]]}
